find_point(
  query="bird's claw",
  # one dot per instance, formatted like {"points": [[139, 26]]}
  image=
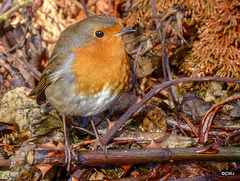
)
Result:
{"points": [[68, 156]]}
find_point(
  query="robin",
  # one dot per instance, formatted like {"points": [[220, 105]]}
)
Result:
{"points": [[88, 69]]}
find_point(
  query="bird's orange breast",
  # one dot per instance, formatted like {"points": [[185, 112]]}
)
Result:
{"points": [[101, 64]]}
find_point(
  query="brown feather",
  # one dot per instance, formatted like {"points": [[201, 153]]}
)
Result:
{"points": [[45, 81]]}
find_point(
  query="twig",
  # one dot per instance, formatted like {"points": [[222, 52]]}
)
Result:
{"points": [[156, 20], [5, 15], [207, 120], [24, 64], [83, 130], [6, 5], [17, 79], [5, 163], [7, 66], [165, 61], [53, 20], [81, 7], [78, 173], [194, 130], [111, 132], [22, 40], [40, 156], [167, 71], [85, 8]]}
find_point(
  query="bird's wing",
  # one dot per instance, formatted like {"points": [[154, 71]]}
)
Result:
{"points": [[45, 79]]}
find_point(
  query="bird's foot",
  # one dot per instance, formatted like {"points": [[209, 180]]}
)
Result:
{"points": [[97, 145], [68, 156]]}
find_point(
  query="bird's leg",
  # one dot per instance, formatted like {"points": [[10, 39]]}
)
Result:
{"points": [[68, 149], [67, 145]]}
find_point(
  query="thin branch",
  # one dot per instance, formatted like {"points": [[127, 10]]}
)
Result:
{"points": [[85, 8], [165, 61], [193, 129], [5, 15], [156, 20], [23, 63], [6, 5], [111, 132], [40, 156], [5, 163], [207, 120], [81, 7]]}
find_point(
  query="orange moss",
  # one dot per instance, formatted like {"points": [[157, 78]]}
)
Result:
{"points": [[215, 49]]}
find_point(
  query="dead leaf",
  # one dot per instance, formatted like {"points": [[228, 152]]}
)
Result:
{"points": [[210, 150], [153, 144], [44, 169]]}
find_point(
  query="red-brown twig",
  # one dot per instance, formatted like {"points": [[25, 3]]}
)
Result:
{"points": [[165, 61], [194, 130], [207, 120], [152, 93]]}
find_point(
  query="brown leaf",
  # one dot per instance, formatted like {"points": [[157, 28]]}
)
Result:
{"points": [[110, 123], [161, 172], [177, 14], [57, 153], [210, 150], [59, 149], [47, 145], [8, 147], [126, 168], [11, 128], [60, 146], [74, 178], [153, 144], [44, 169]]}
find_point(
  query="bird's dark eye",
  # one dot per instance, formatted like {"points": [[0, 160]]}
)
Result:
{"points": [[99, 34]]}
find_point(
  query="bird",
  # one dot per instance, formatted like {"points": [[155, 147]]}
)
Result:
{"points": [[87, 71]]}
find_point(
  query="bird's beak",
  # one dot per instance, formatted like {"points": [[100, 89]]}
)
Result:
{"points": [[125, 32]]}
